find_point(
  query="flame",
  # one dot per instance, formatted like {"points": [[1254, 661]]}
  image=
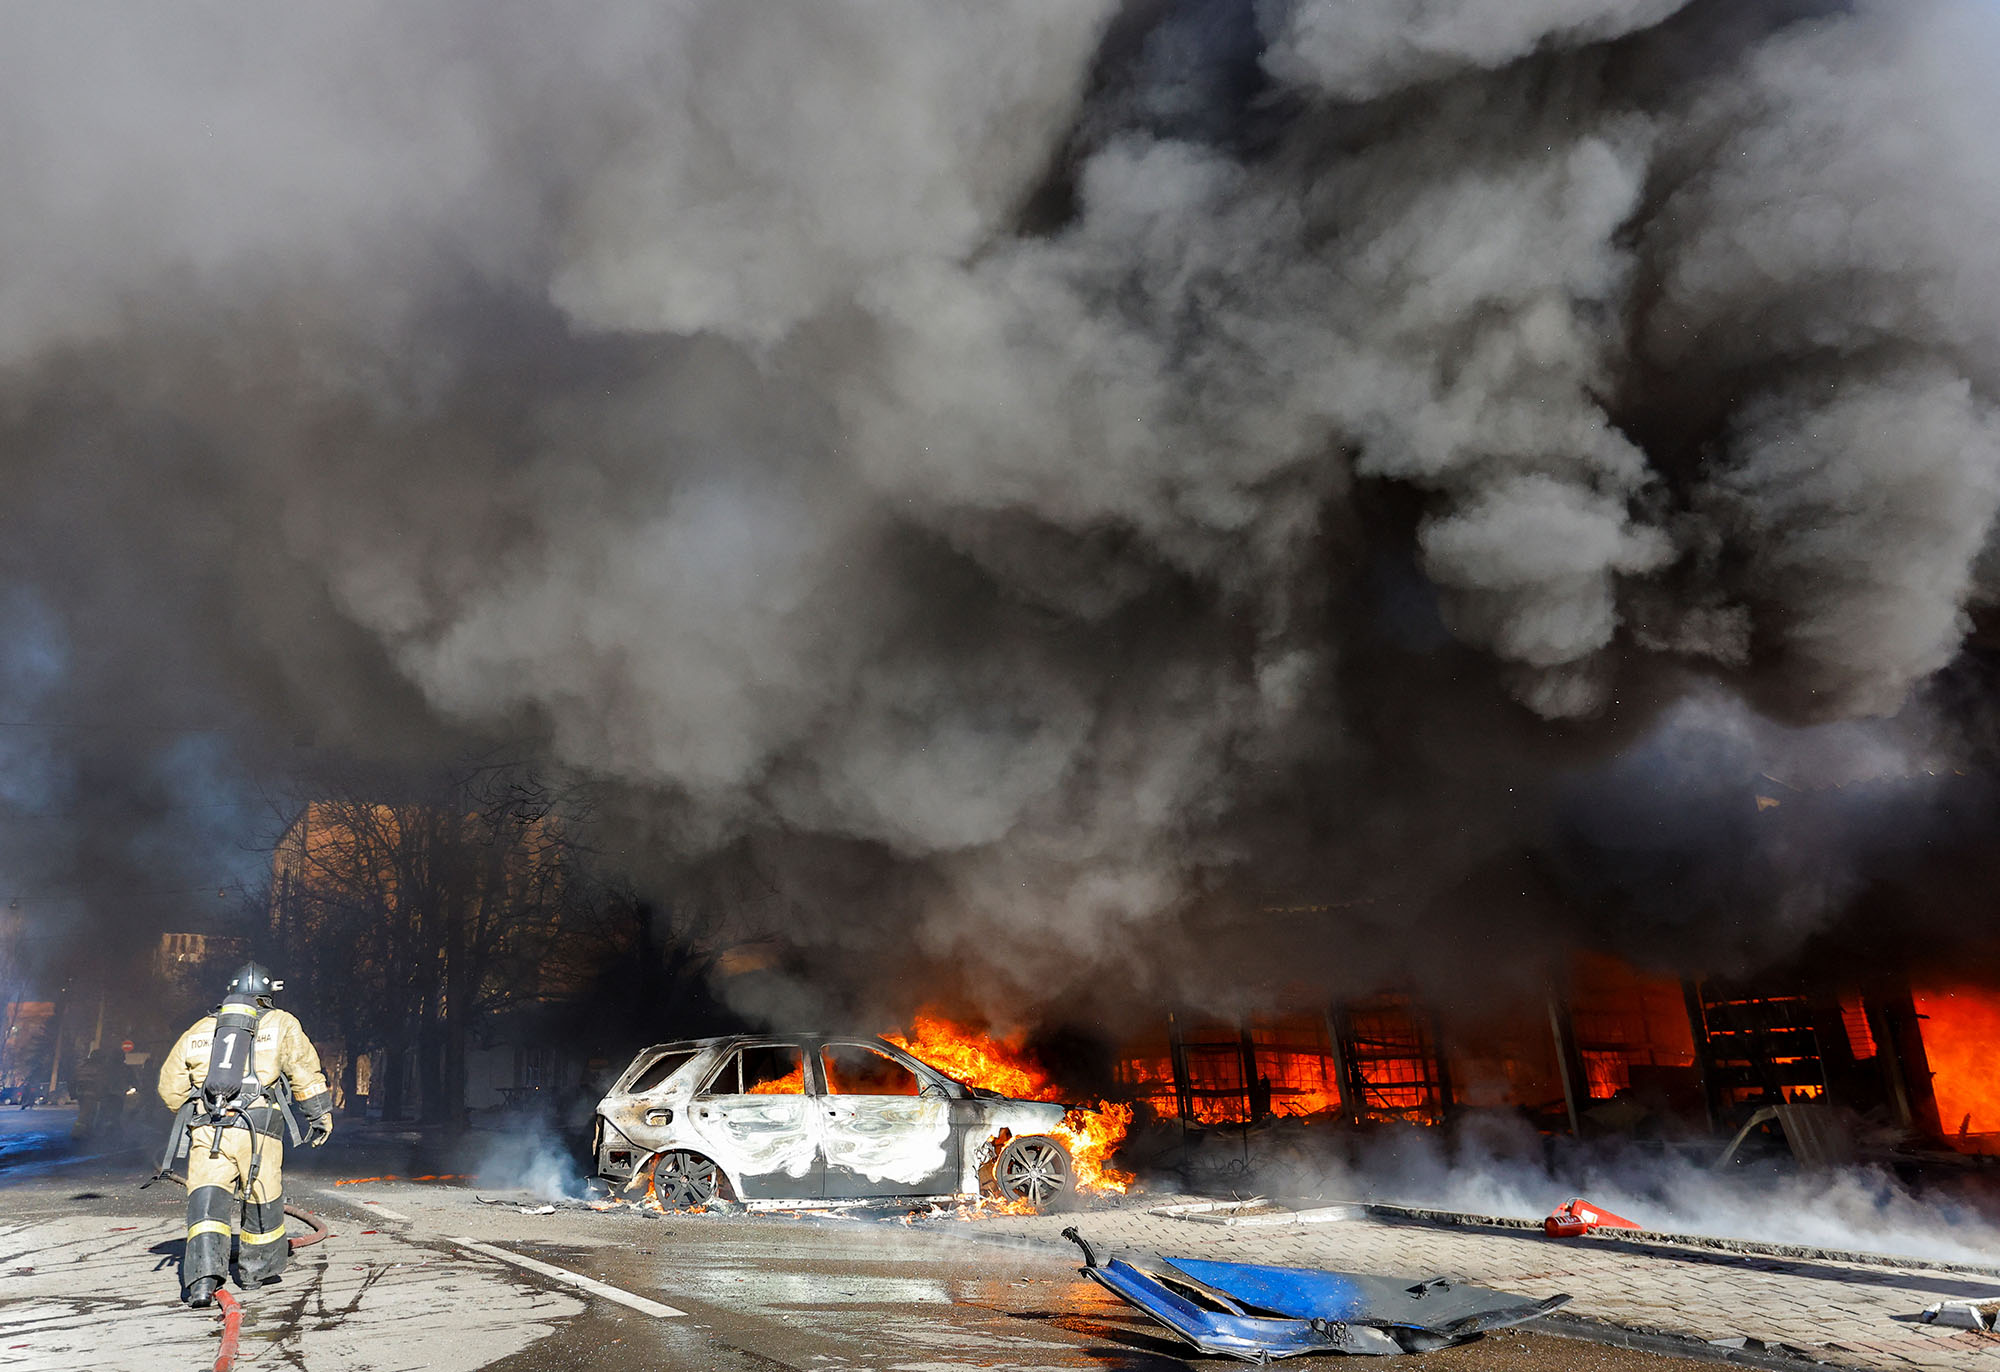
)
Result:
{"points": [[983, 1208], [974, 1058], [1092, 1134], [1307, 1102], [1961, 1029], [792, 1084]]}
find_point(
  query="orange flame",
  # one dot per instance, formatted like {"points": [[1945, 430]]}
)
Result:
{"points": [[1091, 1134], [1961, 1029], [974, 1058], [792, 1084], [1308, 1102]]}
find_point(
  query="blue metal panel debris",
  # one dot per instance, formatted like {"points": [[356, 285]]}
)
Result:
{"points": [[1257, 1313]]}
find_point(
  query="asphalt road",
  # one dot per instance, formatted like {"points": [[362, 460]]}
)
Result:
{"points": [[423, 1275]]}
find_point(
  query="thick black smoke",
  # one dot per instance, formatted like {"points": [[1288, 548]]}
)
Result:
{"points": [[1213, 489]]}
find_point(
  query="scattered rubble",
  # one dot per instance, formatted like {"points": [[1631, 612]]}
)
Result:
{"points": [[1255, 1213], [1963, 1314]]}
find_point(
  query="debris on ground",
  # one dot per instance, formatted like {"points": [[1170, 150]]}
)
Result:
{"points": [[1255, 1212], [1744, 1343], [1963, 1314], [985, 1207], [1576, 1217], [650, 1205], [544, 1209], [1184, 1209], [1256, 1313], [1820, 1137]]}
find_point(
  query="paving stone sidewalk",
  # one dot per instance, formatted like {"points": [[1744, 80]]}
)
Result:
{"points": [[1847, 1314]]}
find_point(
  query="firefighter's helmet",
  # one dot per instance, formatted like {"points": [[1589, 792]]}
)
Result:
{"points": [[253, 980]]}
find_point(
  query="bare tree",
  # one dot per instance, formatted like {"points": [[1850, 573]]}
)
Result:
{"points": [[411, 920]]}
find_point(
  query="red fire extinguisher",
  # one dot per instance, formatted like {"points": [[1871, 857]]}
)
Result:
{"points": [[1576, 1217]]}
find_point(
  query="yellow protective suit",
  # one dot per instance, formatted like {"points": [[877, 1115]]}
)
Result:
{"points": [[243, 1157]]}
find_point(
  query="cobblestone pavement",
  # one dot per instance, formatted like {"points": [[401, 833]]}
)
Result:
{"points": [[1848, 1314]]}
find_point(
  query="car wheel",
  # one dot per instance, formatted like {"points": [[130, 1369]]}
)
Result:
{"points": [[1034, 1168], [683, 1181]]}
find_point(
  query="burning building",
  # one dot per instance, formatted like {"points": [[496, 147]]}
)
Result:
{"points": [[1613, 1051]]}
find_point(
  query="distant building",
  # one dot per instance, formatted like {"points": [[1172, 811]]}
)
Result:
{"points": [[185, 956], [24, 1027]]}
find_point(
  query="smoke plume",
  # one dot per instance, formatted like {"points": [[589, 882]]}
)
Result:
{"points": [[1034, 480]]}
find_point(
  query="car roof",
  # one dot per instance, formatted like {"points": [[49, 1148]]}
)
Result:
{"points": [[774, 1036]]}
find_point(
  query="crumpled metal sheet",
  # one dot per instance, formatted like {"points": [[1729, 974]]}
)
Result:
{"points": [[1258, 1313]]}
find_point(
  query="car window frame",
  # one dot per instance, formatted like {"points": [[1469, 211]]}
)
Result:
{"points": [[951, 1086], [927, 1078], [733, 1055], [621, 1085], [689, 1057]]}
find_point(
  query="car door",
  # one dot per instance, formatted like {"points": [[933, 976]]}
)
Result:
{"points": [[884, 1130], [752, 1116]]}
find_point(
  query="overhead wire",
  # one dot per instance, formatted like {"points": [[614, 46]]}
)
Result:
{"points": [[223, 889], [113, 728]]}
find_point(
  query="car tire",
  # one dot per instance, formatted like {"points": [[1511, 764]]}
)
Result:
{"points": [[686, 1181], [1035, 1169]]}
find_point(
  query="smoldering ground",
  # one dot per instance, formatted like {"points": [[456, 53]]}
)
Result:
{"points": [[1040, 485]]}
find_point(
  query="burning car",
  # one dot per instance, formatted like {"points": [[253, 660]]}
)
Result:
{"points": [[820, 1117]]}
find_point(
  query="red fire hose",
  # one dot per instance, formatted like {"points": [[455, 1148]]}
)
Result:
{"points": [[232, 1325], [318, 1227], [232, 1310]]}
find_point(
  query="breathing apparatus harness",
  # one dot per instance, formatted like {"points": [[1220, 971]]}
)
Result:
{"points": [[232, 1090]]}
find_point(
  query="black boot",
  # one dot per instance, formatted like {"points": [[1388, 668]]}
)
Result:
{"points": [[201, 1292]]}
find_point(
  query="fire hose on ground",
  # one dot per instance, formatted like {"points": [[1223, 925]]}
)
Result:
{"points": [[231, 1308]]}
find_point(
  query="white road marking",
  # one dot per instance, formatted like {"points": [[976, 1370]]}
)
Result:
{"points": [[590, 1284], [374, 1207]]}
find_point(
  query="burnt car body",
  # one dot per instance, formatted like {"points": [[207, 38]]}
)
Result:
{"points": [[818, 1117]]}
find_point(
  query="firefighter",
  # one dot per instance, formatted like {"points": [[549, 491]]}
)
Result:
{"points": [[92, 1086], [234, 1078]]}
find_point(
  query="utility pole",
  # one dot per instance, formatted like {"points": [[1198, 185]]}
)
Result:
{"points": [[55, 1057], [8, 1025]]}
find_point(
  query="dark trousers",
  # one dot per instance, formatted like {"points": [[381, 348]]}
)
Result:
{"points": [[214, 1185]]}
